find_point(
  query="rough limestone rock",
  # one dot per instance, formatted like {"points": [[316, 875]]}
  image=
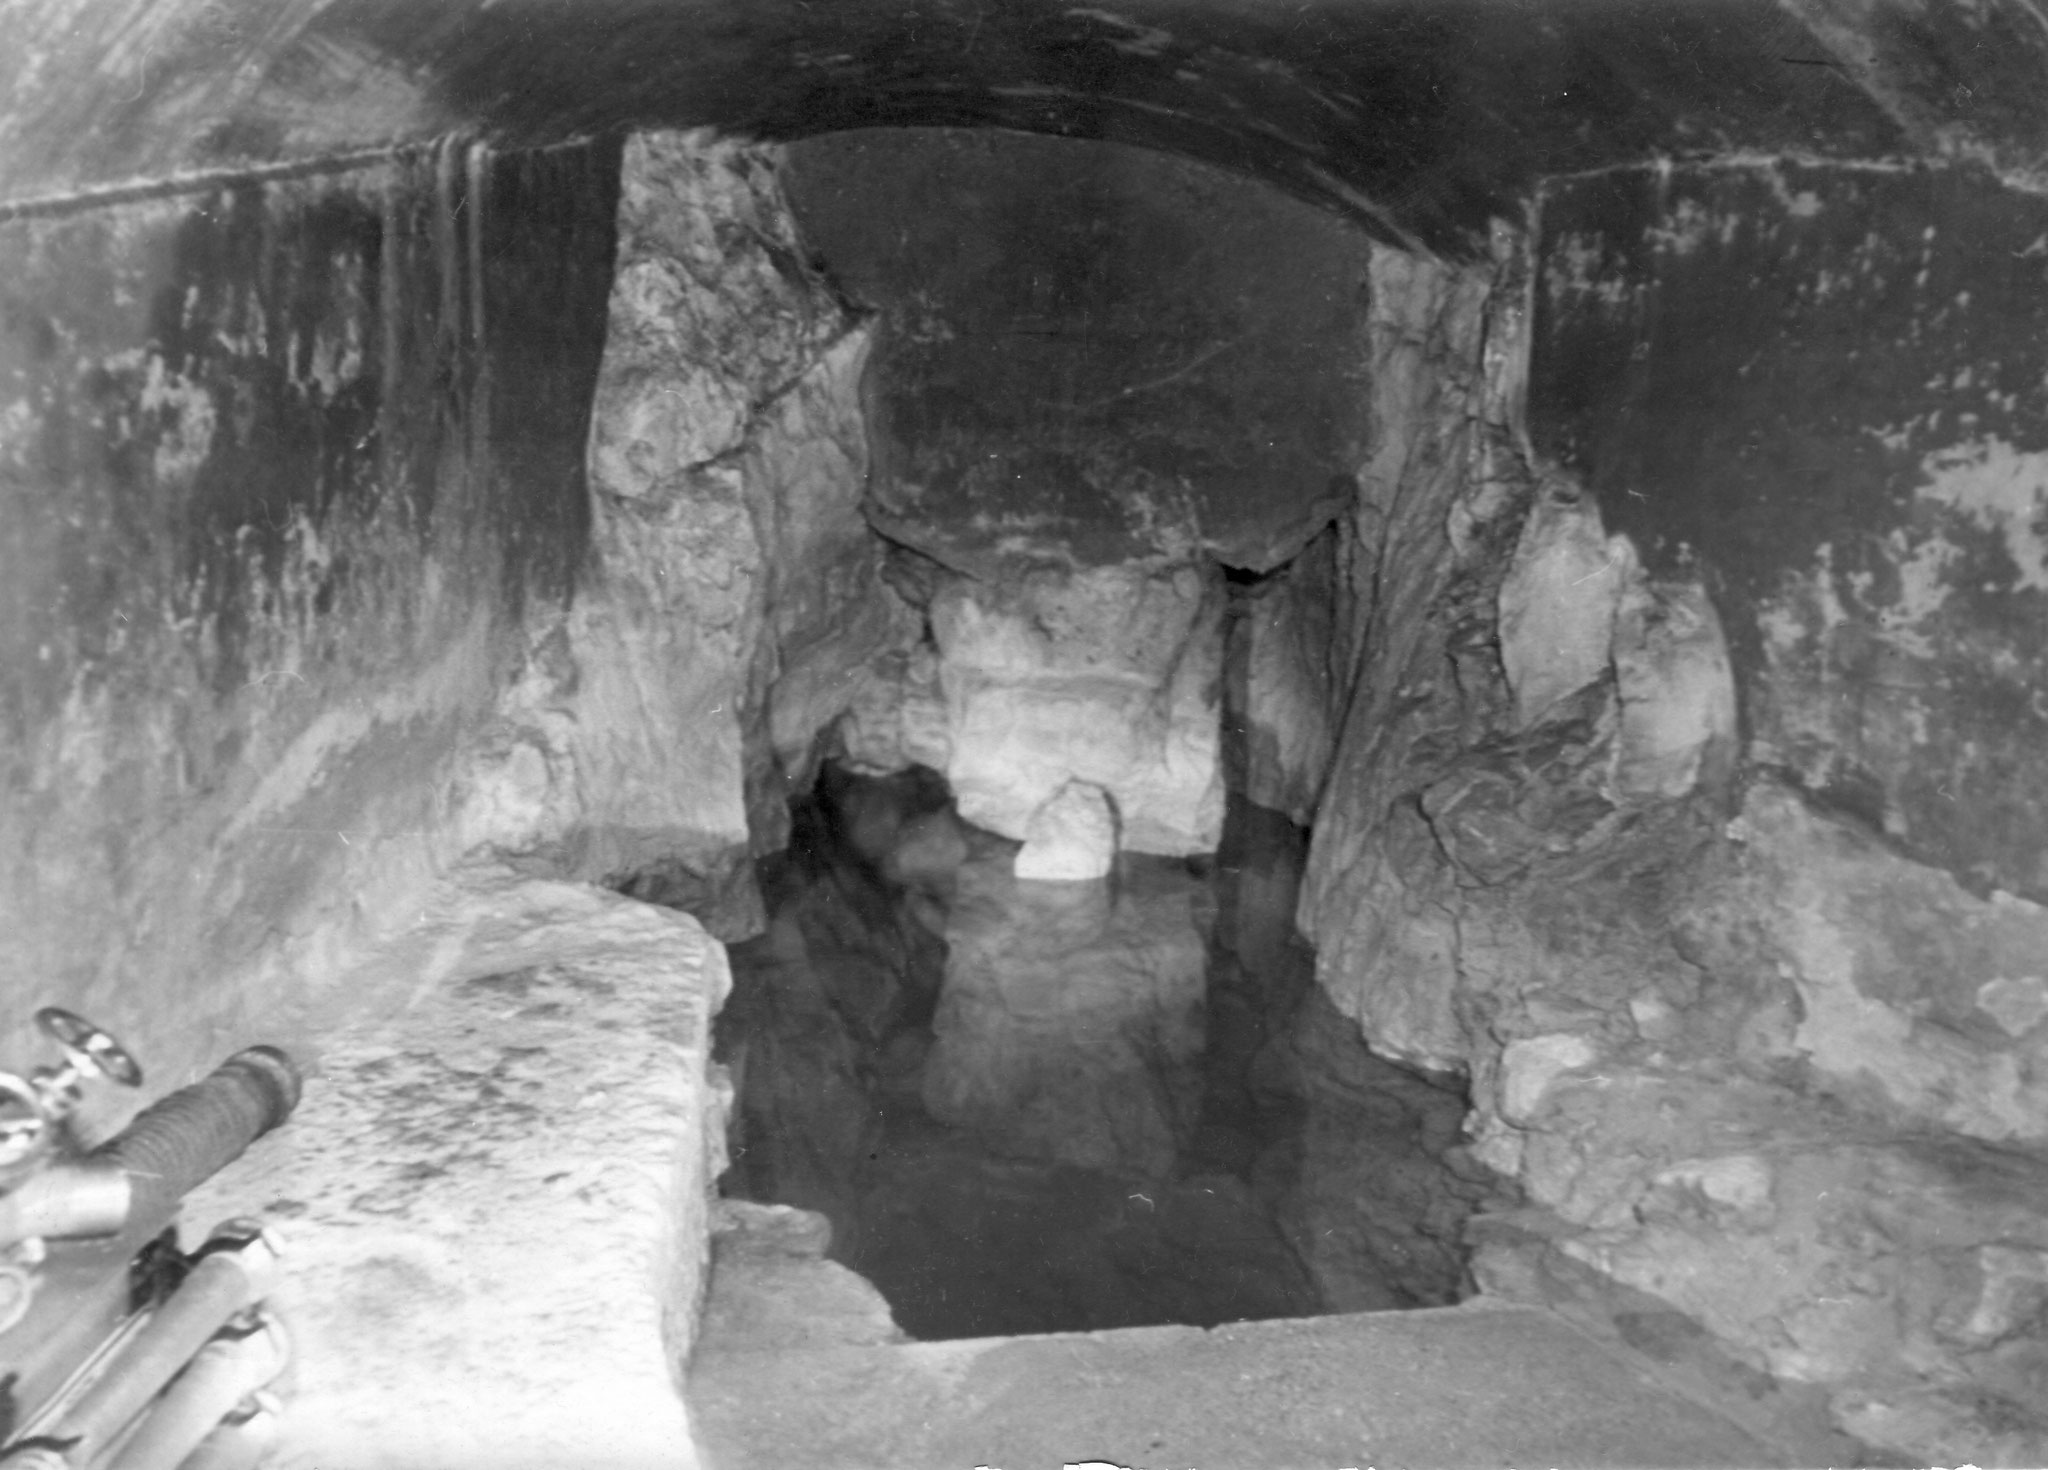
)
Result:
{"points": [[829, 614], [708, 320], [1374, 900], [735, 588], [1070, 1025], [1883, 580], [1787, 1084], [1188, 393], [494, 1198], [1109, 675], [1071, 838], [1281, 690], [1911, 990], [1904, 1274], [1677, 690], [1557, 604], [1771, 1070], [896, 716], [772, 1290]]}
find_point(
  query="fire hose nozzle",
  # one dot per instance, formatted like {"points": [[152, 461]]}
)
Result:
{"points": [[171, 1147]]}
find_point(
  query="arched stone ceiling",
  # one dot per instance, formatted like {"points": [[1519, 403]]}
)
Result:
{"points": [[1422, 117]]}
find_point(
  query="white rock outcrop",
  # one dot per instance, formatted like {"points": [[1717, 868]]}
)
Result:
{"points": [[1072, 838], [1107, 675], [1557, 603]]}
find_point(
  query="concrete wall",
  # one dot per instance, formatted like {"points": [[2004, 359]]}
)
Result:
{"points": [[286, 462]]}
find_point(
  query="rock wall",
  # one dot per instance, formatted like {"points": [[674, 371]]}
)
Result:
{"points": [[1827, 390], [1683, 796], [1413, 628], [732, 591], [321, 654], [307, 597], [1100, 374], [1279, 687]]}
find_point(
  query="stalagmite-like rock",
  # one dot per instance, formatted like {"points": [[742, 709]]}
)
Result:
{"points": [[1108, 675], [1070, 1024], [1071, 838]]}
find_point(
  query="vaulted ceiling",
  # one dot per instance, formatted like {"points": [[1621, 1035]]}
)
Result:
{"points": [[1422, 117]]}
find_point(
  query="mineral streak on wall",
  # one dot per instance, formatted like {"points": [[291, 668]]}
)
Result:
{"points": [[282, 464], [1828, 389]]}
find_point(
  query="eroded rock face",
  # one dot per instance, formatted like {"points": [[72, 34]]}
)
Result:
{"points": [[735, 590], [1104, 675], [1070, 1025], [1557, 602], [1743, 1051], [1280, 682], [1910, 991]]}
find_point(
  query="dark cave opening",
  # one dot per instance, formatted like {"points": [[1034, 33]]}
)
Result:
{"points": [[1199, 1161]]}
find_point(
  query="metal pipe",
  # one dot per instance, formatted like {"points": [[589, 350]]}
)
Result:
{"points": [[227, 1279], [242, 1442], [223, 1373]]}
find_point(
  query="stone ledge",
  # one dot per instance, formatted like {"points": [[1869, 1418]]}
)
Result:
{"points": [[1480, 1384], [493, 1197]]}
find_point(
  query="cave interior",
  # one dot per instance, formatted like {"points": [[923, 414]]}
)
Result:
{"points": [[1206, 683]]}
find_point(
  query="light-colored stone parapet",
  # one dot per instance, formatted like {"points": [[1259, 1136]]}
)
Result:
{"points": [[493, 1198]]}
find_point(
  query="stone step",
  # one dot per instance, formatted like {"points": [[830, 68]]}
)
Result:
{"points": [[1477, 1384]]}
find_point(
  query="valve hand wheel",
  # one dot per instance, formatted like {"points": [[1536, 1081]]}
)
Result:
{"points": [[89, 1048]]}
